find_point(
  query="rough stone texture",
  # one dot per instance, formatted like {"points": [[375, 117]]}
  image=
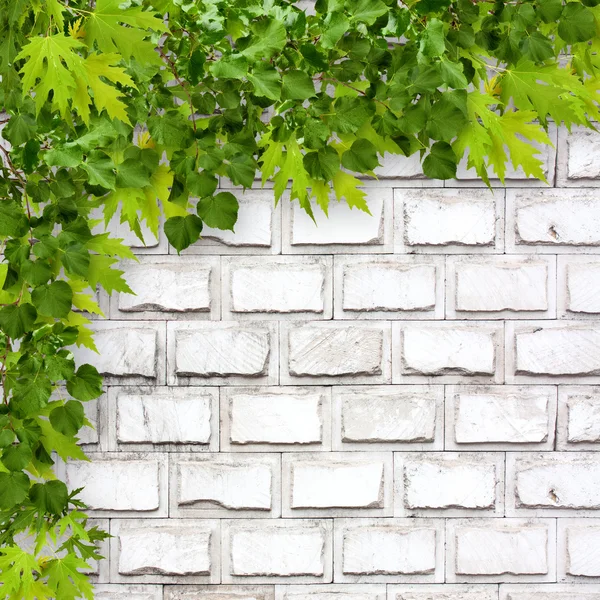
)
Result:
{"points": [[396, 406], [501, 550]]}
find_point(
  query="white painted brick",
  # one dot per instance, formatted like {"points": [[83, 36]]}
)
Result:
{"points": [[578, 163], [553, 220], [344, 231], [277, 551], [549, 592], [500, 417], [331, 592], [578, 287], [551, 484], [165, 551], [404, 171], [389, 287], [579, 550], [337, 484], [442, 592], [501, 550], [500, 287], [221, 485], [222, 352], [559, 351], [94, 411], [174, 418], [447, 351], [393, 550], [285, 419], [219, 592], [388, 417], [127, 592], [257, 229], [116, 484], [131, 351], [448, 484], [448, 221], [578, 418], [318, 352], [256, 287], [182, 288]]}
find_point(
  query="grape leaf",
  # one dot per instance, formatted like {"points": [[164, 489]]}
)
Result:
{"points": [[219, 211]]}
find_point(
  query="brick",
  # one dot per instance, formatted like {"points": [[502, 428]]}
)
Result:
{"points": [[549, 592], [221, 485], [448, 351], [222, 352], [127, 351], [257, 229], [277, 551], [165, 551], [285, 419], [562, 350], [579, 550], [500, 417], [167, 284], [93, 411], [388, 417], [552, 221], [578, 418], [500, 287], [500, 550], [448, 484], [578, 287], [331, 592], [121, 483], [550, 484], [313, 352], [345, 231], [389, 287], [219, 592], [448, 220], [578, 163], [336, 484], [173, 418], [442, 592], [127, 592], [394, 550], [267, 286]]}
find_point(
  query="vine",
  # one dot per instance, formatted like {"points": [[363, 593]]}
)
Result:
{"points": [[128, 109]]}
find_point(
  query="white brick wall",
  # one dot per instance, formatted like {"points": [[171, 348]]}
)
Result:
{"points": [[402, 406]]}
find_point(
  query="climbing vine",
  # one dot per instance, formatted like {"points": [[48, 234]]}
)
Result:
{"points": [[126, 110]]}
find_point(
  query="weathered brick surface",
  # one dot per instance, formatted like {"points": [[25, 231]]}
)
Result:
{"points": [[396, 406]]}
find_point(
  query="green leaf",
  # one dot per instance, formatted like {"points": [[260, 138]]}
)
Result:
{"points": [[101, 273], [53, 300], [63, 157], [549, 10], [268, 38], [351, 114], [446, 118], [132, 173], [100, 170], [322, 164], [76, 260], [13, 490], [440, 163], [576, 23], [433, 42], [7, 437], [16, 458], [50, 497], [13, 221], [316, 134], [367, 11], [183, 231], [241, 170], [219, 211], [453, 75], [15, 321], [202, 184], [36, 272], [334, 27], [68, 419], [297, 85], [423, 7], [230, 67], [266, 82], [20, 129], [537, 47], [86, 384], [29, 395], [361, 157], [349, 188], [171, 130]]}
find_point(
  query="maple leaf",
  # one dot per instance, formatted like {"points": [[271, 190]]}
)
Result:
{"points": [[293, 168], [159, 189], [16, 569], [52, 60], [105, 27], [347, 186]]}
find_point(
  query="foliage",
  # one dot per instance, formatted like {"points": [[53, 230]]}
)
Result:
{"points": [[123, 110]]}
